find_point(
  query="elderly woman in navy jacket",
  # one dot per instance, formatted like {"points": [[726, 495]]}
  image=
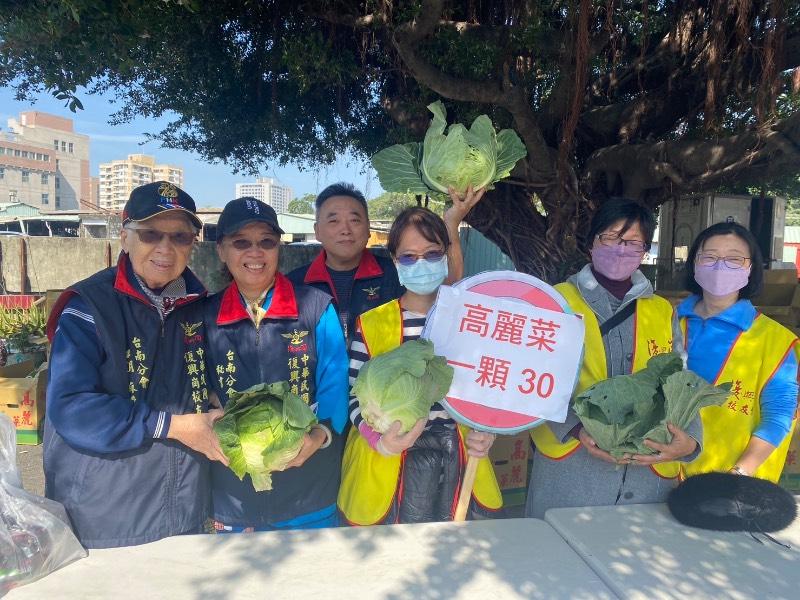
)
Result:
{"points": [[128, 431], [264, 329]]}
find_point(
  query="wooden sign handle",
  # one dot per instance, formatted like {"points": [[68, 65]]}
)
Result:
{"points": [[465, 494]]}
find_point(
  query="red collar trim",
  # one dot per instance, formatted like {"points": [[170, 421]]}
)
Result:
{"points": [[122, 281], [283, 305], [317, 272]]}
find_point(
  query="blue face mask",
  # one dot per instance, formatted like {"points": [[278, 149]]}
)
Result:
{"points": [[422, 277]]}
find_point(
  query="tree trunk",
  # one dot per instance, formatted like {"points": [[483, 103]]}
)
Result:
{"points": [[545, 246]]}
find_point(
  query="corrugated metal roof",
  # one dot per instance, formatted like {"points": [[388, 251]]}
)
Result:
{"points": [[481, 254], [18, 209], [791, 234]]}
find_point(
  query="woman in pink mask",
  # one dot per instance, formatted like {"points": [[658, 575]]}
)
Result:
{"points": [[626, 324], [729, 340]]}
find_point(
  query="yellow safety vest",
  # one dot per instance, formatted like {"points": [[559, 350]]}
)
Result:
{"points": [[653, 335], [756, 354], [371, 480]]}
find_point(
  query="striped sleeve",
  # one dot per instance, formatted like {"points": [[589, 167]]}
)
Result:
{"points": [[358, 356]]}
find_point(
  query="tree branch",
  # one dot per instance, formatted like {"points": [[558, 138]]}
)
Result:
{"points": [[514, 99], [696, 165]]}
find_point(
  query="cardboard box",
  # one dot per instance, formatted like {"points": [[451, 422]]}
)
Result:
{"points": [[509, 455], [775, 305], [22, 398]]}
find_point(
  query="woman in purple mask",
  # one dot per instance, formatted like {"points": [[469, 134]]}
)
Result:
{"points": [[626, 324], [728, 340]]}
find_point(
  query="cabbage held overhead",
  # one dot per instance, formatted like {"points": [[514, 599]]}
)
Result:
{"points": [[262, 431], [476, 157], [621, 412], [402, 385]]}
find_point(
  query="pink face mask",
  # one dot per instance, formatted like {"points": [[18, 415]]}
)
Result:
{"points": [[720, 279], [616, 262]]}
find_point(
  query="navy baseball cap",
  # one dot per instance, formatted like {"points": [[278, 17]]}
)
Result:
{"points": [[158, 197], [242, 211]]}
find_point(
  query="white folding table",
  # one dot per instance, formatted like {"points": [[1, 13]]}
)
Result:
{"points": [[487, 560]]}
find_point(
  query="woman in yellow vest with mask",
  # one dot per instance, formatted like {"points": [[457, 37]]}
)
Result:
{"points": [[626, 324], [414, 476], [729, 340]]}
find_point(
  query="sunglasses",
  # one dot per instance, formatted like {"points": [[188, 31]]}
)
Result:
{"points": [[154, 236], [410, 259], [243, 244]]}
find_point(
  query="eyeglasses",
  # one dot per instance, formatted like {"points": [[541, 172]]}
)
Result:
{"points": [[430, 256], [612, 239], [154, 236], [242, 244], [732, 262]]}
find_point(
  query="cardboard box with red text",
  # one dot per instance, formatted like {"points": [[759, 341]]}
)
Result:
{"points": [[22, 398]]}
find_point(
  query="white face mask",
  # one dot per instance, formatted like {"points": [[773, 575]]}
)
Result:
{"points": [[423, 277]]}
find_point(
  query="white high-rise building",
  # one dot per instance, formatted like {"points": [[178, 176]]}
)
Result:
{"points": [[119, 177], [267, 190]]}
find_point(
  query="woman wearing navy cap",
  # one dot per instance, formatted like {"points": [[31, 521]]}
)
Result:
{"points": [[264, 329]]}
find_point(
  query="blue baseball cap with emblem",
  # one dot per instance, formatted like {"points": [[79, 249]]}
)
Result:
{"points": [[242, 211], [156, 198]]}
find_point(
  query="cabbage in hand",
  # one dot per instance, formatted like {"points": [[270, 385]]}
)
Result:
{"points": [[402, 385], [621, 412], [477, 157], [262, 431]]}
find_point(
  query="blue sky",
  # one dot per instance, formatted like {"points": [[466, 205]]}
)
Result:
{"points": [[209, 184]]}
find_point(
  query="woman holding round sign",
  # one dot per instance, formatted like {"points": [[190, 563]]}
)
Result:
{"points": [[413, 475], [729, 340], [625, 325]]}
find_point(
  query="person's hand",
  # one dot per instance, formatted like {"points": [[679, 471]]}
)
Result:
{"points": [[594, 450], [312, 442], [393, 442], [194, 430], [478, 443], [682, 444], [462, 204]]}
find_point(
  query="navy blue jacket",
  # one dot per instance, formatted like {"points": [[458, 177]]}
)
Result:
{"points": [[117, 373], [374, 283], [283, 348]]}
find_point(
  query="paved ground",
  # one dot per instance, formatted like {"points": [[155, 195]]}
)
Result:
{"points": [[29, 461]]}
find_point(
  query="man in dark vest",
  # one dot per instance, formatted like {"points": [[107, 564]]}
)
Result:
{"points": [[357, 279], [128, 434]]}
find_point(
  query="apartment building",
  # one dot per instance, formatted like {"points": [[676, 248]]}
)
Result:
{"points": [[119, 177], [44, 162], [267, 190]]}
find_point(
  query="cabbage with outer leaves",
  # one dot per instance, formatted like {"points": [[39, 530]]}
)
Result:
{"points": [[262, 431], [477, 157], [402, 385], [621, 412]]}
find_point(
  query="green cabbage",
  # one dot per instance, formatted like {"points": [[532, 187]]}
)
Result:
{"points": [[262, 431], [621, 412], [477, 156], [402, 385]]}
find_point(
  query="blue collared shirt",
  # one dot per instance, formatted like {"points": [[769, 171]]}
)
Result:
{"points": [[708, 343]]}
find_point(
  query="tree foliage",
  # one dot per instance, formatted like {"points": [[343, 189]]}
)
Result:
{"points": [[304, 205], [649, 100], [389, 204]]}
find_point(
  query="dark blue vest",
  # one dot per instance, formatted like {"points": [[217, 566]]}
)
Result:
{"points": [[162, 488], [282, 348]]}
